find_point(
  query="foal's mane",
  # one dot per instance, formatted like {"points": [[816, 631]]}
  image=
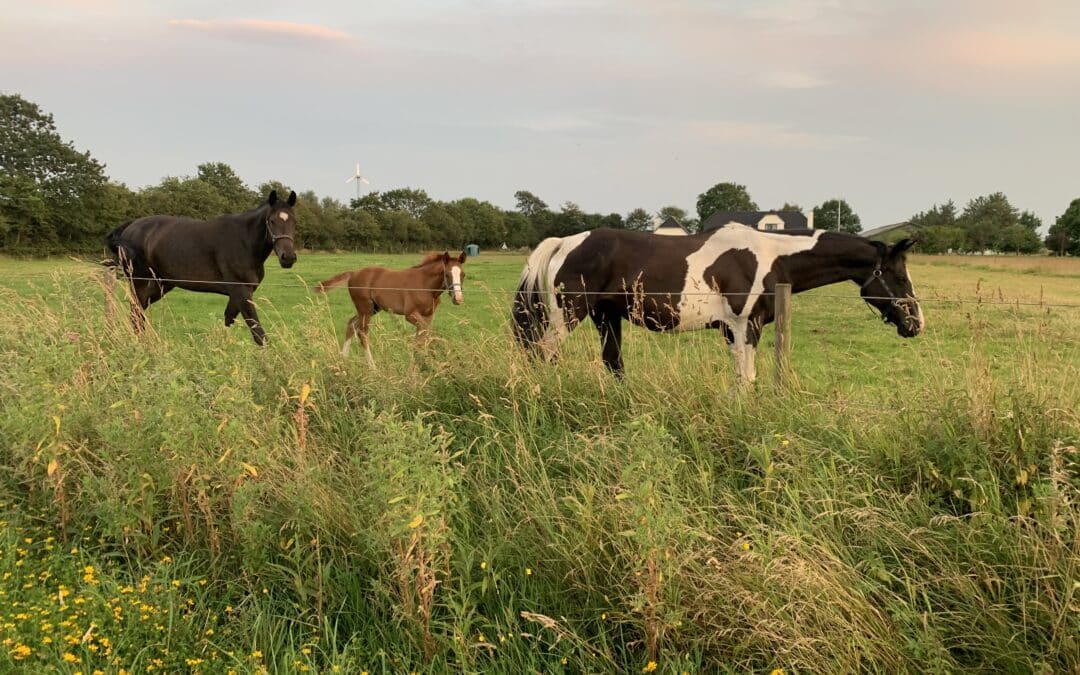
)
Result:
{"points": [[428, 259]]}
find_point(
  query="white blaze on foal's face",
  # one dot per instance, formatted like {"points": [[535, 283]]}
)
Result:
{"points": [[455, 285], [283, 216]]}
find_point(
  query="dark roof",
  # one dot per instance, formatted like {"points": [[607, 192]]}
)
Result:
{"points": [[670, 223], [884, 229], [793, 220]]}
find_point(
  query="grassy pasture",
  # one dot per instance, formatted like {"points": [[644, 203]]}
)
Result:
{"points": [[909, 505]]}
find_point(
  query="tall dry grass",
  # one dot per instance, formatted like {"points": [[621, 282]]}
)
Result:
{"points": [[466, 509]]}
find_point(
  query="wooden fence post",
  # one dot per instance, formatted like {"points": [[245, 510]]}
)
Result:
{"points": [[783, 333]]}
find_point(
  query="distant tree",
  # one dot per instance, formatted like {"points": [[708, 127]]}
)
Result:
{"points": [[1017, 238], [936, 216], [569, 220], [238, 197], [1030, 220], [1064, 236], [362, 231], [51, 195], [613, 220], [188, 197], [371, 202], [724, 197], [941, 239], [937, 229], [826, 217], [675, 212], [409, 200], [788, 206], [519, 230], [445, 227], [638, 219], [321, 223], [985, 219], [528, 204], [482, 222]]}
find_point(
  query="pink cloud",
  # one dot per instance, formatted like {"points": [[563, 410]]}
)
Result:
{"points": [[259, 30]]}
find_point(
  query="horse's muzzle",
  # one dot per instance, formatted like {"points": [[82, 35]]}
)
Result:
{"points": [[287, 260]]}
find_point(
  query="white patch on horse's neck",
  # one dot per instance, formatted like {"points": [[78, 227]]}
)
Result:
{"points": [[283, 216], [698, 307]]}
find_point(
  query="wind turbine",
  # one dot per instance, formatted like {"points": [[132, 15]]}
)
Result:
{"points": [[359, 178]]}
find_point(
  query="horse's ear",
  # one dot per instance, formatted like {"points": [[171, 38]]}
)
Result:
{"points": [[446, 256], [272, 199], [902, 246], [461, 258], [292, 198]]}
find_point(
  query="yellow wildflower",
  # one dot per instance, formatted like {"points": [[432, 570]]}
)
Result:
{"points": [[70, 658], [20, 652], [649, 667]]}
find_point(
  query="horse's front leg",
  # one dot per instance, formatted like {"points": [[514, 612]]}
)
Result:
{"points": [[423, 327], [609, 324], [246, 304]]}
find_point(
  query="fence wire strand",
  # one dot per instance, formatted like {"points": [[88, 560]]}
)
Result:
{"points": [[629, 293]]}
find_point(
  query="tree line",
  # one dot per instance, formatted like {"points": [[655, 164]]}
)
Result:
{"points": [[57, 199], [991, 223]]}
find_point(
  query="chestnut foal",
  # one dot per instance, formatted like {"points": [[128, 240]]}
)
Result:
{"points": [[413, 293]]}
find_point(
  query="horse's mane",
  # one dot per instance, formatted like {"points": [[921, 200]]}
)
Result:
{"points": [[428, 259]]}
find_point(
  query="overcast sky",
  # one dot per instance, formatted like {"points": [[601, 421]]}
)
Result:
{"points": [[893, 105]]}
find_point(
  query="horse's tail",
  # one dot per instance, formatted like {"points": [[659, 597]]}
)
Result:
{"points": [[114, 240], [334, 282], [530, 310], [125, 254]]}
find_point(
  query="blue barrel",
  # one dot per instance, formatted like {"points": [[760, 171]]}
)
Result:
{"points": [[472, 250]]}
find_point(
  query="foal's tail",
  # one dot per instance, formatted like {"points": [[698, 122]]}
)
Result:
{"points": [[334, 282], [530, 309]]}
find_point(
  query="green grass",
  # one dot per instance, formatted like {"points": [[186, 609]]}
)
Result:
{"points": [[908, 505]]}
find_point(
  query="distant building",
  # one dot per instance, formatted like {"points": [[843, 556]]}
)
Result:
{"points": [[768, 221], [671, 228]]}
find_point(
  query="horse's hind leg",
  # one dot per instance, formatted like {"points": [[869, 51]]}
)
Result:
{"points": [[350, 333], [563, 321], [358, 326], [231, 311]]}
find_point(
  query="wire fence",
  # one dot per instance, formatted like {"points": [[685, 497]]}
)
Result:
{"points": [[302, 285]]}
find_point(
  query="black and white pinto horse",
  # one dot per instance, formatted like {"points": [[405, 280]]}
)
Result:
{"points": [[722, 279]]}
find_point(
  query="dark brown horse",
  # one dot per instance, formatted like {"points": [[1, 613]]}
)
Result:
{"points": [[414, 293], [224, 255]]}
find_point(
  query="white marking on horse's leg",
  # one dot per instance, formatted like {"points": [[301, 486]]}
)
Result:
{"points": [[750, 358], [345, 347], [370, 358]]}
